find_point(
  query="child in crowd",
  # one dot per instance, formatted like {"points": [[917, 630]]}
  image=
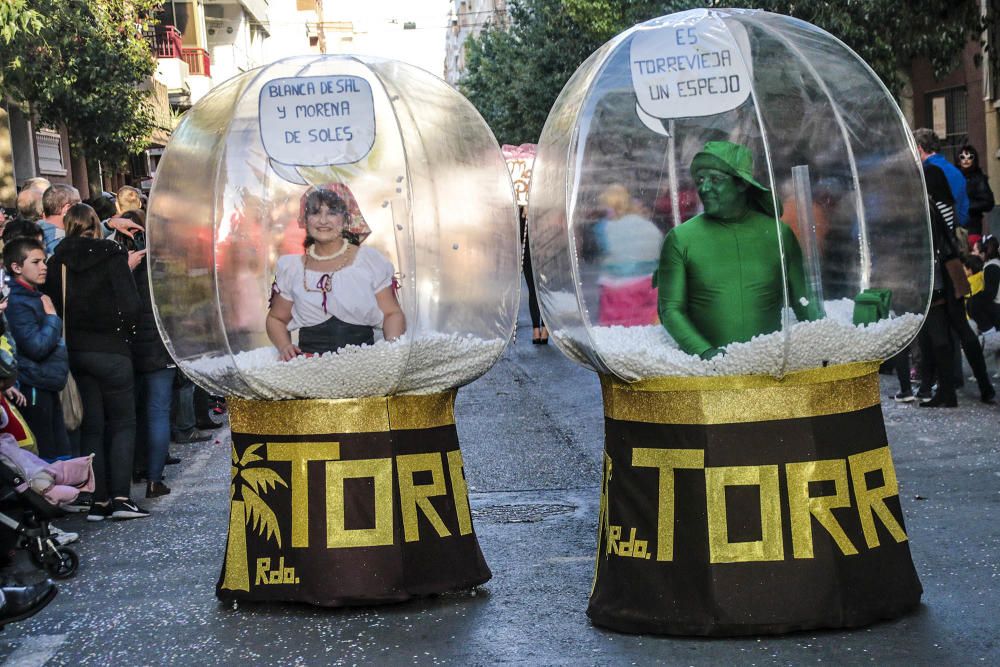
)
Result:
{"points": [[976, 306], [11, 421], [43, 363], [21, 228]]}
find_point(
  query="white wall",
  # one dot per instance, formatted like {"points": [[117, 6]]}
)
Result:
{"points": [[378, 30], [235, 44], [288, 31]]}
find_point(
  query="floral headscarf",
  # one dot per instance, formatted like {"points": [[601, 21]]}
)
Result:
{"points": [[355, 223]]}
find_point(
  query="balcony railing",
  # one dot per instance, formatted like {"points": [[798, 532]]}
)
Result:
{"points": [[198, 61], [167, 43]]}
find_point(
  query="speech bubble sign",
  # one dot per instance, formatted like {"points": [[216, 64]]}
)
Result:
{"points": [[288, 172], [651, 122], [313, 121], [687, 70]]}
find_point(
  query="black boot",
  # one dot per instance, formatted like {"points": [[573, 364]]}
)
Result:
{"points": [[939, 400], [21, 602], [206, 424], [156, 489]]}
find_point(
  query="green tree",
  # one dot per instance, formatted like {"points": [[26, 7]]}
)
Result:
{"points": [[991, 21], [514, 74], [79, 62], [17, 17], [887, 35]]}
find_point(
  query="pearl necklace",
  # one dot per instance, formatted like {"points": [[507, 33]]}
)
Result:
{"points": [[323, 258]]}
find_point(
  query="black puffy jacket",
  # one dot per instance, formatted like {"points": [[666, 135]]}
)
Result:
{"points": [[980, 199], [103, 302]]}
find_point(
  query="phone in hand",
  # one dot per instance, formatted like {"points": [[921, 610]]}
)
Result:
{"points": [[133, 243]]}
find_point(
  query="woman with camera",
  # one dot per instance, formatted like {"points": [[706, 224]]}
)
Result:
{"points": [[100, 311]]}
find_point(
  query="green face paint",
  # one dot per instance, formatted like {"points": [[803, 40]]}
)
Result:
{"points": [[723, 196]]}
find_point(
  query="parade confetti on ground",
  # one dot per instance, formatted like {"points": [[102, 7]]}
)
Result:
{"points": [[430, 363]]}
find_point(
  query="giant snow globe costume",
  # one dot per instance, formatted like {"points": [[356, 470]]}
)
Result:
{"points": [[348, 483], [748, 487]]}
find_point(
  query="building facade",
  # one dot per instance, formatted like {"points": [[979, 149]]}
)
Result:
{"points": [[954, 105], [963, 107], [469, 18], [200, 44], [28, 150]]}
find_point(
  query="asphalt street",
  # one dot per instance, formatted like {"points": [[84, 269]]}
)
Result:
{"points": [[531, 433]]}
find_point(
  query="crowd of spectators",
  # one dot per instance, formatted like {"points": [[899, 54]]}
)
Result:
{"points": [[965, 302], [76, 312]]}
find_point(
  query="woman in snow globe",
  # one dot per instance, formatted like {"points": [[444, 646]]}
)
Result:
{"points": [[337, 292]]}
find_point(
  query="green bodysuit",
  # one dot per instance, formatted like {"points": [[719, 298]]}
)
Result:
{"points": [[720, 282]]}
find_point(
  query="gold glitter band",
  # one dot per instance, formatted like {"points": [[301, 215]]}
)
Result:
{"points": [[744, 398], [410, 411], [348, 415]]}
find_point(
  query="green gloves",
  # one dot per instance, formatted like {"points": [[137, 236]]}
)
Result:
{"points": [[872, 305]]}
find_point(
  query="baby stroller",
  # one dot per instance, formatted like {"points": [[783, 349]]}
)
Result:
{"points": [[32, 492]]}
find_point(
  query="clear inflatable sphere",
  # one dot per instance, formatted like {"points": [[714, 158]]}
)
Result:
{"points": [[416, 177], [728, 192]]}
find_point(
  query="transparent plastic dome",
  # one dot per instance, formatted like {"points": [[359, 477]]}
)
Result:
{"points": [[429, 180], [830, 150]]}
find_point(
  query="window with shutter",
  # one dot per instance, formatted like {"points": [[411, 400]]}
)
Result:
{"points": [[947, 113], [50, 153]]}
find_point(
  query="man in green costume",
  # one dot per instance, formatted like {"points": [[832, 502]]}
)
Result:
{"points": [[720, 273]]}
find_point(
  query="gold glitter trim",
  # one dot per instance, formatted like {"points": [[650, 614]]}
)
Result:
{"points": [[411, 411], [237, 577], [667, 461], [871, 502], [744, 398], [413, 496], [338, 536], [460, 491], [299, 454], [349, 415], [803, 508], [771, 545]]}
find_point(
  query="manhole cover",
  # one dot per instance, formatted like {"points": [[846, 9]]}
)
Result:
{"points": [[520, 513]]}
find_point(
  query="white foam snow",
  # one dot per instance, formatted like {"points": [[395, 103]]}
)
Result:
{"points": [[433, 362], [649, 351]]}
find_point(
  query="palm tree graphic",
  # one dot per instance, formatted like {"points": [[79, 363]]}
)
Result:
{"points": [[249, 506]]}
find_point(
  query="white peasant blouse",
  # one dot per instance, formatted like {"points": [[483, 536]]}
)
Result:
{"points": [[352, 294]]}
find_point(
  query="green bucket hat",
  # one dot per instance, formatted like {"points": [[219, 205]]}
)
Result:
{"points": [[737, 161]]}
